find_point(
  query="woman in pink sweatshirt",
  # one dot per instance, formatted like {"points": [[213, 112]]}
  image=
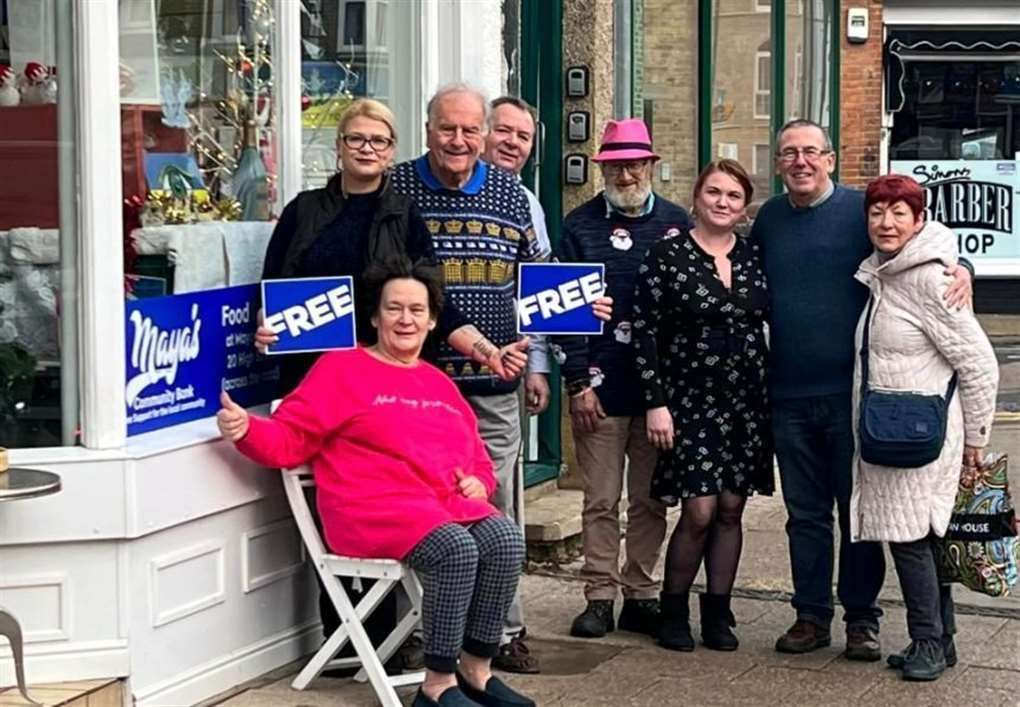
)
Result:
{"points": [[402, 473]]}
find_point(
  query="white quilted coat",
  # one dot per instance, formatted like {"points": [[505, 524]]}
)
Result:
{"points": [[916, 343]]}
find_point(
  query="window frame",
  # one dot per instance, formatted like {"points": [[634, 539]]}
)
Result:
{"points": [[759, 93]]}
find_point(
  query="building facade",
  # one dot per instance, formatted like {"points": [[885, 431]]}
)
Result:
{"points": [[142, 177]]}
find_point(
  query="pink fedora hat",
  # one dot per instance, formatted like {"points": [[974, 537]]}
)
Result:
{"points": [[625, 140]]}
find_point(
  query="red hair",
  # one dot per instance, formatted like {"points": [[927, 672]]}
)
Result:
{"points": [[893, 188]]}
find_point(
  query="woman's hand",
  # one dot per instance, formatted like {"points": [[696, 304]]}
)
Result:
{"points": [[960, 293], [659, 426], [232, 419], [264, 336], [470, 486], [586, 410], [603, 308], [972, 457]]}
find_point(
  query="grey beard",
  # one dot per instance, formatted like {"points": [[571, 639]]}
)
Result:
{"points": [[630, 199]]}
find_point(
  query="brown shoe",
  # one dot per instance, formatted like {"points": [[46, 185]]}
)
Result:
{"points": [[803, 637], [515, 657], [862, 643]]}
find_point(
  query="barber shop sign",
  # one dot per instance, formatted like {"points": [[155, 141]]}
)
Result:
{"points": [[977, 199]]}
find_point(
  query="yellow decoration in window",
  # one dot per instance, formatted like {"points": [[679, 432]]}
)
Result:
{"points": [[492, 229], [474, 227], [453, 226], [433, 226], [512, 233]]}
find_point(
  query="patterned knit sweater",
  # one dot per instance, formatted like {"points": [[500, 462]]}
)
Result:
{"points": [[480, 232]]}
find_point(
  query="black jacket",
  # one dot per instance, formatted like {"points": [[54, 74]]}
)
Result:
{"points": [[314, 210]]}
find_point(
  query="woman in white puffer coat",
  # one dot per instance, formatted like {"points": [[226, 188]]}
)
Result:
{"points": [[916, 343]]}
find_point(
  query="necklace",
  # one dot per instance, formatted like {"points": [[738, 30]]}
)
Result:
{"points": [[375, 348]]}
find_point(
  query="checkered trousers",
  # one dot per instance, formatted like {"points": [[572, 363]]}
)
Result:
{"points": [[468, 576]]}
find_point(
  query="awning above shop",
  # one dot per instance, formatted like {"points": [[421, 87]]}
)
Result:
{"points": [[942, 46]]}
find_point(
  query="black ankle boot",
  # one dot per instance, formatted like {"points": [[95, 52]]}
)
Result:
{"points": [[675, 630], [716, 621]]}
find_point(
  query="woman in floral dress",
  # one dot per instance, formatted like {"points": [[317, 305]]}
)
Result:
{"points": [[699, 330]]}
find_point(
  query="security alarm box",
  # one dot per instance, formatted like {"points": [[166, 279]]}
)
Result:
{"points": [[577, 81], [575, 169], [578, 126], [857, 25]]}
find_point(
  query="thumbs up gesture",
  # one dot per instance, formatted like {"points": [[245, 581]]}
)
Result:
{"points": [[232, 419], [513, 359], [469, 486]]}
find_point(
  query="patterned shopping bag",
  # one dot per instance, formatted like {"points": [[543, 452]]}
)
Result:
{"points": [[980, 549]]}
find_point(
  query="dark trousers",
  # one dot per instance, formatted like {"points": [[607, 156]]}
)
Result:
{"points": [[815, 446], [930, 610]]}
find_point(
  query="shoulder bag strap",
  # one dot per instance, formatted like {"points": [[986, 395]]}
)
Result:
{"points": [[864, 347]]}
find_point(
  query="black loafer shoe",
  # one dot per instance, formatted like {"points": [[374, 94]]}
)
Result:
{"points": [[451, 697], [496, 694]]}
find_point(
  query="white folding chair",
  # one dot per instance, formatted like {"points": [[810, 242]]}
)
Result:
{"points": [[387, 575]]}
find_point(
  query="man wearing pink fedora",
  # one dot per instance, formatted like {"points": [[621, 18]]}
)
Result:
{"points": [[607, 414]]}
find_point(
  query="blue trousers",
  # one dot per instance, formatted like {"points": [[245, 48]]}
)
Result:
{"points": [[815, 446]]}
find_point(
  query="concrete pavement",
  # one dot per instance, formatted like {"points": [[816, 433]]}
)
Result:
{"points": [[629, 669]]}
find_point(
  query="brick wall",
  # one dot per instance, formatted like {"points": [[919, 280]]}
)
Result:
{"points": [[861, 99]]}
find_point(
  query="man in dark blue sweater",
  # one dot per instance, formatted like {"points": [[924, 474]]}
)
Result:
{"points": [[607, 413], [812, 239]]}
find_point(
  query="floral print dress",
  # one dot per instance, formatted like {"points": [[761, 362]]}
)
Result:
{"points": [[701, 351]]}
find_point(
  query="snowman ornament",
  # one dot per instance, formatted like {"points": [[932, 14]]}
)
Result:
{"points": [[9, 95], [34, 84]]}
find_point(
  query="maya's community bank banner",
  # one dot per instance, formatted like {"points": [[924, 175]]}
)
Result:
{"points": [[310, 314], [556, 298], [977, 199], [182, 350]]}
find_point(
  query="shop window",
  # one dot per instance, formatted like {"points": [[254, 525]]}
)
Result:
{"points": [[38, 392], [958, 110], [199, 142], [664, 91], [808, 69], [352, 49]]}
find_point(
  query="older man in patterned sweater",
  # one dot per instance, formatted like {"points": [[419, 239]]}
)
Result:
{"points": [[616, 228]]}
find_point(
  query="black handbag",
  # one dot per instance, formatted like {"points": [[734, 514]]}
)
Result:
{"points": [[899, 429]]}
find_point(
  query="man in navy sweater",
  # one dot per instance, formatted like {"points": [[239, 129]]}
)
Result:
{"points": [[607, 414], [812, 239]]}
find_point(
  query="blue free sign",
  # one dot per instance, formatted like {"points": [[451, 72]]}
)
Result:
{"points": [[182, 350], [556, 298], [310, 314]]}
